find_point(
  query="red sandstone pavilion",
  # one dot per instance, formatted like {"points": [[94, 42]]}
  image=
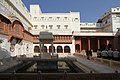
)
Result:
{"points": [[19, 30]]}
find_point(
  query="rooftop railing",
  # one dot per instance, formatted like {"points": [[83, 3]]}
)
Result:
{"points": [[94, 31]]}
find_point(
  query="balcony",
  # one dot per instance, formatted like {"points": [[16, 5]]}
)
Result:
{"points": [[94, 33], [4, 28]]}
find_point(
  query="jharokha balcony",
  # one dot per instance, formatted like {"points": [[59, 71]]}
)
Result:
{"points": [[57, 39], [62, 39], [13, 28], [5, 24], [16, 30]]}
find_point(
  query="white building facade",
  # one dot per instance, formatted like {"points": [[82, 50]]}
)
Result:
{"points": [[70, 34], [15, 10]]}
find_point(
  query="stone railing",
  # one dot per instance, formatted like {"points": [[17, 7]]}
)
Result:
{"points": [[108, 62], [60, 76], [111, 63], [89, 24]]}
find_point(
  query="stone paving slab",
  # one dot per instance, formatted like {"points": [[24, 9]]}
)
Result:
{"points": [[8, 64], [95, 66]]}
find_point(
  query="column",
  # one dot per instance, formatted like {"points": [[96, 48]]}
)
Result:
{"points": [[80, 44], [88, 43], [47, 48], [63, 49], [107, 42], [43, 48], [55, 48], [73, 45], [40, 47], [98, 43], [52, 48]]}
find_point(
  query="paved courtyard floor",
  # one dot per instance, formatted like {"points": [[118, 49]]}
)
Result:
{"points": [[100, 68]]}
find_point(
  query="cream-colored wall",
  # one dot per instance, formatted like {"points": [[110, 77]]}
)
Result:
{"points": [[23, 48], [34, 17], [54, 19], [5, 44], [18, 9], [113, 18], [116, 21], [35, 10]]}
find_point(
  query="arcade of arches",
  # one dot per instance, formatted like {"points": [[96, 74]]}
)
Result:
{"points": [[94, 43], [83, 43], [58, 50]]}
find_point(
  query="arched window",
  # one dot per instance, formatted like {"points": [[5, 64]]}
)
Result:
{"points": [[36, 49], [67, 49], [59, 49], [77, 48], [50, 49], [45, 49]]}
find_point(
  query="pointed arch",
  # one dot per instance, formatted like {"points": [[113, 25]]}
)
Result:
{"points": [[77, 48], [50, 49], [44, 49], [66, 49], [36, 49], [59, 49]]}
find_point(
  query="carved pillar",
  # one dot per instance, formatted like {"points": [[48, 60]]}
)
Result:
{"points": [[88, 43], [52, 48], [98, 40], [80, 44], [73, 44], [40, 47]]}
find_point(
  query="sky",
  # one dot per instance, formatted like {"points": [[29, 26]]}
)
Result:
{"points": [[90, 10]]}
